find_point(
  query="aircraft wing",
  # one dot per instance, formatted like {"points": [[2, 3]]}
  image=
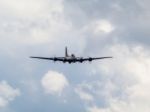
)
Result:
{"points": [[100, 58], [91, 59], [53, 58]]}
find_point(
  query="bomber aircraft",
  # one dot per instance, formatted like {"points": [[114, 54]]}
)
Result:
{"points": [[70, 58]]}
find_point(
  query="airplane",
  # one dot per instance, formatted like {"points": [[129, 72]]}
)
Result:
{"points": [[70, 58]]}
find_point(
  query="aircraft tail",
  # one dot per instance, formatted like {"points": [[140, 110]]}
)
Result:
{"points": [[66, 52]]}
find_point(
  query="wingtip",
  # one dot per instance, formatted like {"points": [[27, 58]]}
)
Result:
{"points": [[108, 57]]}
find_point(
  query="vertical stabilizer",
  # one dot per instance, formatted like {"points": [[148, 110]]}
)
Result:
{"points": [[66, 52]]}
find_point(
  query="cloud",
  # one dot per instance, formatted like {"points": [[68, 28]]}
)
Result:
{"points": [[129, 75], [54, 82], [103, 26], [7, 93], [99, 27], [31, 21], [38, 26], [96, 92], [96, 109], [30, 8], [44, 26], [84, 95]]}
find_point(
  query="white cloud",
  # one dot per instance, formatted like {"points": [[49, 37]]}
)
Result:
{"points": [[96, 109], [54, 82], [121, 106], [30, 8], [32, 21], [7, 93], [46, 25], [133, 61], [53, 29], [91, 91], [103, 26], [129, 72], [83, 94]]}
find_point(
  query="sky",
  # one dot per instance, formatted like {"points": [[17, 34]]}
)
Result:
{"points": [[90, 28]]}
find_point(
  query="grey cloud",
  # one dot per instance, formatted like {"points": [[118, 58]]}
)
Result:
{"points": [[18, 39], [129, 17]]}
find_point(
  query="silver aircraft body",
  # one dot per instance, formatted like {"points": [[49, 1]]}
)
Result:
{"points": [[70, 58]]}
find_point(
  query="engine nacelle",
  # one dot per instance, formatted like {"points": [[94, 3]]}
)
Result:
{"points": [[81, 60], [64, 60], [90, 59], [55, 59]]}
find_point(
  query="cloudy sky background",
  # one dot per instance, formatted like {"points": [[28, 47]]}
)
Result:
{"points": [[118, 28]]}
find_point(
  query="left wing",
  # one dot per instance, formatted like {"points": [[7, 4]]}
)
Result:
{"points": [[91, 59], [100, 58]]}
